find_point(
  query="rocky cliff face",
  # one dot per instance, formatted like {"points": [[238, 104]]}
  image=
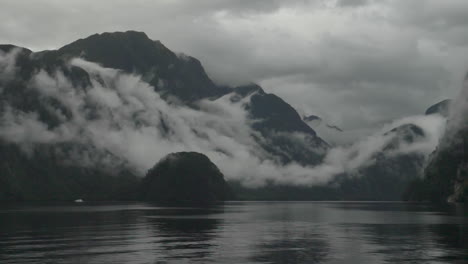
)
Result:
{"points": [[279, 123], [441, 108], [446, 176]]}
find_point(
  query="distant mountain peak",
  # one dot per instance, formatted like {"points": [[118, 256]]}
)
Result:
{"points": [[129, 50], [9, 47], [441, 108], [172, 74], [122, 36], [248, 89]]}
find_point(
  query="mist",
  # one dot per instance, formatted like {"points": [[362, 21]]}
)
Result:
{"points": [[120, 114], [7, 64], [458, 110]]}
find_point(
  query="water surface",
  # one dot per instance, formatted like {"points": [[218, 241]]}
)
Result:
{"points": [[236, 232]]}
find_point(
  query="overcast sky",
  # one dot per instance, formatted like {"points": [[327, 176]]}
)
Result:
{"points": [[356, 63]]}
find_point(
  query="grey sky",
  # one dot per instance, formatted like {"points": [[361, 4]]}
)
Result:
{"points": [[356, 63]]}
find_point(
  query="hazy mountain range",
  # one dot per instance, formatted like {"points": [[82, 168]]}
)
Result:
{"points": [[91, 118]]}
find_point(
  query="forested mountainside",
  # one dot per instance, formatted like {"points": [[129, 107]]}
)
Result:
{"points": [[90, 119]]}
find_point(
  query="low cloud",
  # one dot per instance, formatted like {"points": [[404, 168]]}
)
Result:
{"points": [[327, 56], [8, 64], [120, 114], [458, 113]]}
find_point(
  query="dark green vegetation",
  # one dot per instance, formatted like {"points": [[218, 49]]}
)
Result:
{"points": [[185, 177]]}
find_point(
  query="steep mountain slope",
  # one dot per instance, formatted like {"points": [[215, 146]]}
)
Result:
{"points": [[446, 175], [49, 91], [329, 132], [181, 77], [129, 101], [441, 108], [383, 177], [133, 52], [387, 177], [287, 136], [43, 174], [315, 121]]}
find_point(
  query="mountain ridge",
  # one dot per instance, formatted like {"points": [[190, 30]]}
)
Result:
{"points": [[171, 75], [281, 134]]}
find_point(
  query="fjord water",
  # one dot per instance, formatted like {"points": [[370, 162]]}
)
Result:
{"points": [[236, 232]]}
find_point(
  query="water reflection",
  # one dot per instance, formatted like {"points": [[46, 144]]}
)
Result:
{"points": [[290, 242], [413, 243], [185, 234], [283, 232], [292, 250]]}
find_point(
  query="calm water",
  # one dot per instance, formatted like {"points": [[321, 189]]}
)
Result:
{"points": [[237, 232]]}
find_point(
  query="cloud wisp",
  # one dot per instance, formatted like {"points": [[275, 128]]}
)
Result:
{"points": [[121, 114]]}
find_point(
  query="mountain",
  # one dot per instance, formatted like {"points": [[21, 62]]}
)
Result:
{"points": [[315, 121], [173, 76], [43, 175], [329, 132], [384, 178], [41, 88], [278, 122], [185, 177], [441, 108], [446, 175], [387, 177], [133, 52], [91, 127]]}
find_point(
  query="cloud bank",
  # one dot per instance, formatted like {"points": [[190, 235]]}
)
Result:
{"points": [[348, 61], [120, 114]]}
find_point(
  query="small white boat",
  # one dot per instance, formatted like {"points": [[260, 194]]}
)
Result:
{"points": [[79, 201]]}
